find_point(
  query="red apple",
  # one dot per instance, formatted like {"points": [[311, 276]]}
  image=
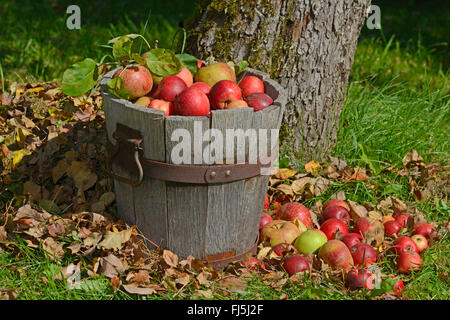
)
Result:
{"points": [[404, 245], [253, 263], [152, 93], [363, 253], [223, 93], [391, 228], [362, 226], [266, 202], [402, 219], [420, 241], [279, 231], [251, 84], [359, 278], [425, 229], [399, 285], [186, 76], [162, 105], [279, 248], [202, 86], [352, 239], [192, 102], [137, 80], [337, 212], [336, 202], [265, 219], [409, 261], [332, 226], [294, 264], [237, 104], [336, 254], [318, 230], [170, 87], [258, 101], [291, 210]]}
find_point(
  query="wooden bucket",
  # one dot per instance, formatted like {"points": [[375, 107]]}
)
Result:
{"points": [[208, 210]]}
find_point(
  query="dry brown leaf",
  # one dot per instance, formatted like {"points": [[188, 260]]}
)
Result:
{"points": [[375, 234], [298, 186], [313, 167], [375, 215], [286, 189], [111, 240], [203, 278], [232, 283], [53, 247], [83, 177], [357, 211], [412, 159], [134, 288], [33, 190], [111, 266], [8, 294], [285, 173], [321, 186], [398, 206], [141, 277], [75, 247], [170, 258], [3, 234], [59, 170], [199, 294]]}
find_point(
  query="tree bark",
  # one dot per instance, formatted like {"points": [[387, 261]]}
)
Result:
{"points": [[306, 45]]}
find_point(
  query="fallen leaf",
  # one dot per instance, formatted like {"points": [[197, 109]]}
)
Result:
{"points": [[170, 258], [357, 211], [33, 190], [82, 176], [286, 189], [111, 240], [232, 283], [134, 288], [313, 167], [285, 173], [298, 186], [59, 170], [111, 266], [93, 239], [53, 247]]}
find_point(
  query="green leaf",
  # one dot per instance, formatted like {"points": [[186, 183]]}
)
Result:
{"points": [[122, 48], [138, 58], [163, 62], [49, 206], [116, 87], [240, 66], [79, 78], [284, 162], [386, 286], [131, 36], [188, 61]]}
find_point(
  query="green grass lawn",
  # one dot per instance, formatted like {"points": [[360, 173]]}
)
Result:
{"points": [[398, 100]]}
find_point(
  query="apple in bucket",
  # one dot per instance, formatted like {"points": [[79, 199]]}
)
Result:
{"points": [[137, 80]]}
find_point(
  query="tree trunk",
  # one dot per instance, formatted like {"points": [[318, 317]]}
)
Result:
{"points": [[306, 45]]}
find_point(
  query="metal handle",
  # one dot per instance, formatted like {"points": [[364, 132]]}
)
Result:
{"points": [[110, 158]]}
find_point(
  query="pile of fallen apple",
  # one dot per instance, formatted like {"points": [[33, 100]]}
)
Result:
{"points": [[214, 88], [334, 243]]}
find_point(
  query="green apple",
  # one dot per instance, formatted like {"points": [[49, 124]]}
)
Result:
{"points": [[214, 73], [310, 241]]}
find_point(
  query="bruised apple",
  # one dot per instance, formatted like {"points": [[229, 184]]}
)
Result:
{"points": [[425, 229], [291, 210], [192, 102], [137, 80], [332, 226], [402, 219], [336, 254], [359, 278], [280, 231], [214, 73]]}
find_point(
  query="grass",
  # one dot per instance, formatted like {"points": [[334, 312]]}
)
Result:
{"points": [[398, 100]]}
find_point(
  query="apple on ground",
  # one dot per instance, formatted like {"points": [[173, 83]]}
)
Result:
{"points": [[310, 241], [363, 254], [336, 254], [404, 245], [214, 73], [336, 202], [162, 105], [409, 261], [332, 226], [258, 101], [291, 210], [337, 212], [352, 239], [253, 263], [170, 87], [402, 219], [192, 102], [391, 228], [202, 86], [420, 241], [251, 84], [399, 285], [137, 80], [359, 278], [388, 218], [223, 93], [280, 231], [186, 76], [294, 264], [425, 229], [265, 219], [143, 101], [279, 251], [362, 226]]}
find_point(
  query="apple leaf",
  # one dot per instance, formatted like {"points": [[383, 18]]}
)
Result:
{"points": [[188, 61], [79, 78], [138, 58], [131, 36], [240, 66], [122, 48], [163, 62], [116, 87]]}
